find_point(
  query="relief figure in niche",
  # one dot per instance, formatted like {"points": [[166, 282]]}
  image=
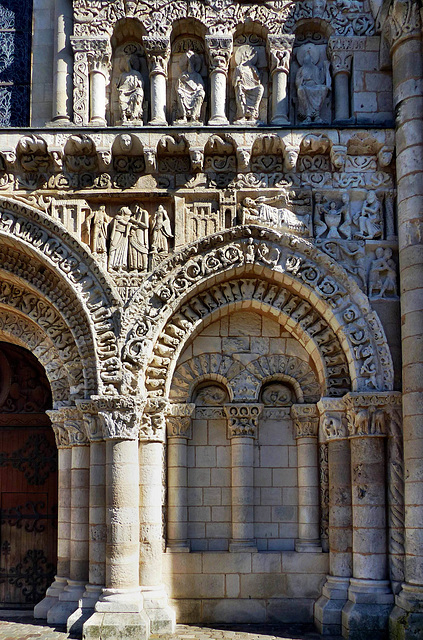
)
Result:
{"points": [[383, 275], [131, 91], [161, 231], [312, 82], [369, 220], [248, 88], [330, 218], [190, 91], [138, 241], [119, 238], [97, 225]]}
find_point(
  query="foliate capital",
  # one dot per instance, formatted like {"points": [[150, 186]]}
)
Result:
{"points": [[243, 419], [306, 420], [404, 21], [153, 420], [68, 427], [280, 50], [219, 49]]}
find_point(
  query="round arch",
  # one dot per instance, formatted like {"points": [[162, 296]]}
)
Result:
{"points": [[336, 311], [53, 269]]}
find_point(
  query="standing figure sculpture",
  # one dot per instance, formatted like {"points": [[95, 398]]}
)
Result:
{"points": [[97, 225], [190, 91], [312, 82], [131, 91], [161, 231], [138, 241], [248, 88], [119, 238]]}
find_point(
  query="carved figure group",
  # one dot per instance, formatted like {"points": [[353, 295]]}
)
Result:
{"points": [[312, 82], [261, 210], [331, 221]]}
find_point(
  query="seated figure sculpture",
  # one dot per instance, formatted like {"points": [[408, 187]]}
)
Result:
{"points": [[248, 88], [190, 92], [131, 92], [369, 219], [312, 82]]}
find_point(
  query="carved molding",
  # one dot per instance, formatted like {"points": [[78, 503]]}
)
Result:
{"points": [[306, 420], [119, 416], [243, 419], [367, 413]]}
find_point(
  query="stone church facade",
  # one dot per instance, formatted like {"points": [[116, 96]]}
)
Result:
{"points": [[211, 293]]}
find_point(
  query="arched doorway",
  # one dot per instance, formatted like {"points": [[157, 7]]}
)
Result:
{"points": [[28, 480]]}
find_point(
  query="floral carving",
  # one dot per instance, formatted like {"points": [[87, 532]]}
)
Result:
{"points": [[306, 420]]}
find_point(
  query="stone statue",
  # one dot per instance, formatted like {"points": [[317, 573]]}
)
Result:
{"points": [[345, 226], [369, 220], [131, 91], [97, 225], [383, 275], [312, 82], [138, 241], [331, 219], [319, 225], [161, 231], [190, 92], [119, 237], [248, 88], [261, 209]]}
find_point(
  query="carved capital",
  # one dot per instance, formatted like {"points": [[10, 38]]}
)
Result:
{"points": [[179, 427], [153, 421], [332, 419], [119, 416], [404, 21], [71, 422], [280, 49], [92, 422], [181, 409], [341, 62], [219, 49], [243, 419], [306, 420], [98, 52], [157, 50], [61, 434], [367, 413]]}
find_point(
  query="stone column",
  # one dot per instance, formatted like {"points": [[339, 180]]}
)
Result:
{"points": [[63, 516], [97, 518], [179, 431], [341, 59], [157, 50], [280, 49], [151, 457], [306, 420], [407, 67], [119, 610], [99, 68], [328, 609], [219, 48], [62, 82], [79, 478], [242, 431], [365, 615]]}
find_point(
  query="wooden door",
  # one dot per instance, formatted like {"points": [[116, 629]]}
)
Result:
{"points": [[28, 482]]}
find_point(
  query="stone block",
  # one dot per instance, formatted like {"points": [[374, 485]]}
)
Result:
{"points": [[304, 585], [199, 586], [234, 611], [264, 585], [116, 626], [227, 563], [289, 610], [266, 563]]}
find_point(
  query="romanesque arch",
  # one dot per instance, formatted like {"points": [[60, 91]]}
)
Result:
{"points": [[49, 273], [284, 263]]}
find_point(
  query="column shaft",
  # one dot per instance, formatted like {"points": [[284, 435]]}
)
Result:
{"points": [[340, 511], [151, 504], [342, 91], [242, 473], [218, 98], [158, 99], [177, 494], [280, 104], [62, 82], [97, 97]]}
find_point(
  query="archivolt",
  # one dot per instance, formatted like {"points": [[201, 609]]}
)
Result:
{"points": [[63, 271], [315, 292], [233, 374]]}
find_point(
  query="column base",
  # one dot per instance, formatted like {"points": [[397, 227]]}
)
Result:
{"points": [[116, 626], [156, 608], [218, 120], [76, 621], [242, 546], [308, 546], [52, 596], [98, 122], [182, 546], [328, 608], [68, 603], [366, 614], [280, 120], [406, 619], [157, 122]]}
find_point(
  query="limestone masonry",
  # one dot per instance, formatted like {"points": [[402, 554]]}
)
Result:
{"points": [[211, 230]]}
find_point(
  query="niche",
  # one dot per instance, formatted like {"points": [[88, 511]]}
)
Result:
{"points": [[249, 81]]}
